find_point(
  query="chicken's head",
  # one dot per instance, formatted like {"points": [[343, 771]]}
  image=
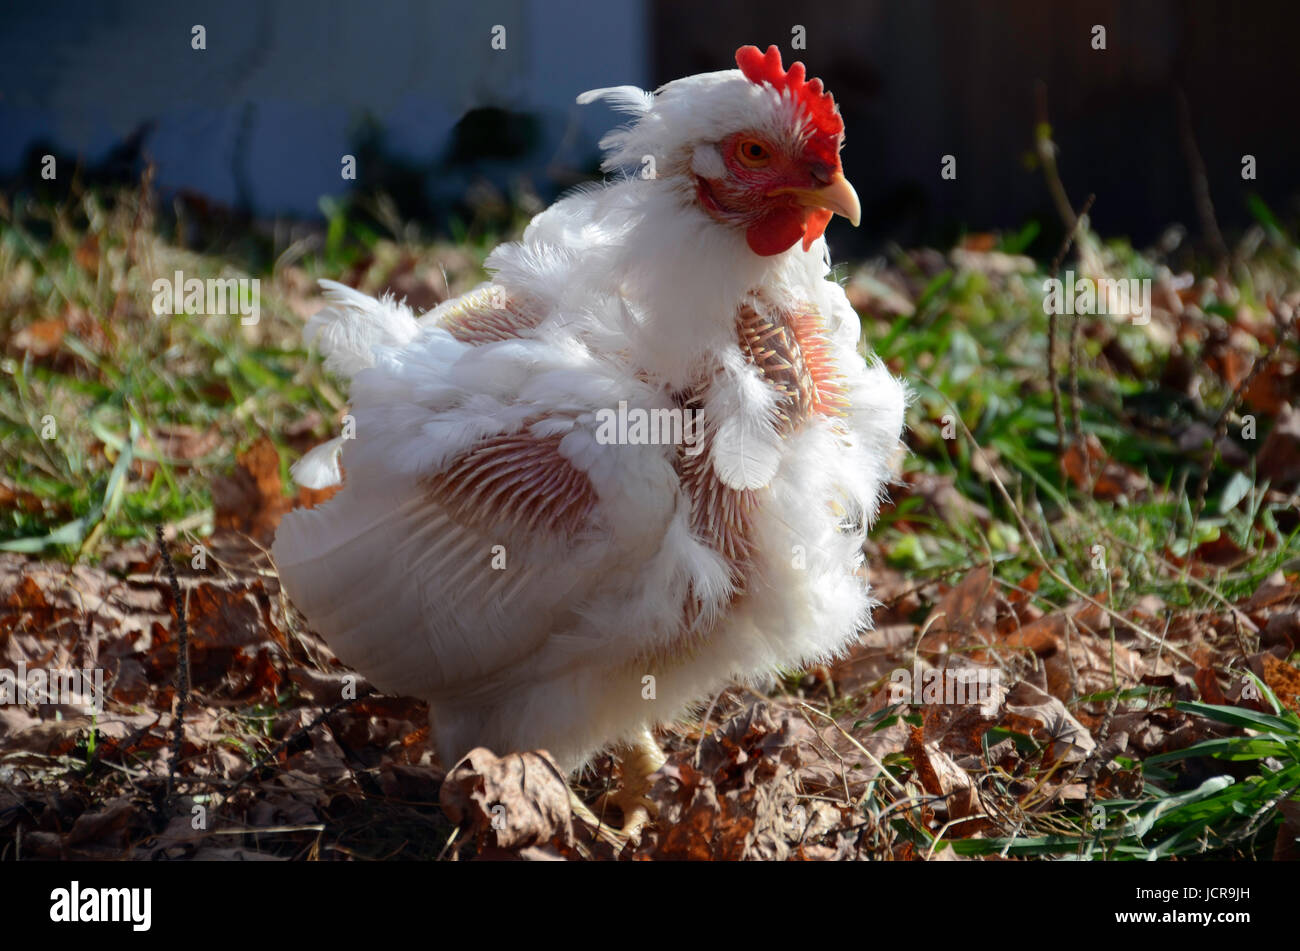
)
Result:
{"points": [[755, 149]]}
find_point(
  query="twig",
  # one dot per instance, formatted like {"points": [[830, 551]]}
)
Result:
{"points": [[143, 202], [1200, 184], [447, 845], [1052, 380], [182, 659], [1076, 405], [844, 775], [1260, 814], [1047, 155]]}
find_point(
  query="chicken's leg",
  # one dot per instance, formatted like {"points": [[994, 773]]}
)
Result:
{"points": [[639, 759]]}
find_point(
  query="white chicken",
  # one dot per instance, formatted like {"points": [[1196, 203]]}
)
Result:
{"points": [[636, 465]]}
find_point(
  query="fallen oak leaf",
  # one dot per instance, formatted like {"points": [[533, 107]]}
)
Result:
{"points": [[522, 798], [250, 500], [968, 608], [1047, 718], [940, 776]]}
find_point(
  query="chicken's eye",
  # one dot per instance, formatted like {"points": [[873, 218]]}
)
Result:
{"points": [[752, 153]]}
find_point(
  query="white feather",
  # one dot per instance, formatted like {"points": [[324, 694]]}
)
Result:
{"points": [[630, 99], [319, 468], [354, 324]]}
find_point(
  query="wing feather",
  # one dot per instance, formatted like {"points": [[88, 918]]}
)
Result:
{"points": [[460, 456]]}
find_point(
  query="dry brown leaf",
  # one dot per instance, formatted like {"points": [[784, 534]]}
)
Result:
{"points": [[1283, 679], [1222, 552], [1281, 630], [107, 823], [39, 339], [250, 500], [959, 728], [517, 801], [1044, 636], [1273, 387], [1030, 710], [1207, 681], [1084, 666], [746, 798], [1113, 480], [1287, 847], [1275, 589], [1048, 634], [969, 608], [938, 774]]}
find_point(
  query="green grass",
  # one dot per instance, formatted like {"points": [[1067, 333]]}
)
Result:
{"points": [[120, 369]]}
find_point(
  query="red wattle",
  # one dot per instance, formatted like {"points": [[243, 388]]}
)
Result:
{"points": [[777, 231], [818, 219]]}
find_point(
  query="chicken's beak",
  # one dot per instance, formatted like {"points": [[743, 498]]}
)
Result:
{"points": [[837, 196]]}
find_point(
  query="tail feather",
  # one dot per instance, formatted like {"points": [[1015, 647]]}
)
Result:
{"points": [[334, 561], [395, 588]]}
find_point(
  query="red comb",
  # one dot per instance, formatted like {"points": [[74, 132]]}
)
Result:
{"points": [[817, 103]]}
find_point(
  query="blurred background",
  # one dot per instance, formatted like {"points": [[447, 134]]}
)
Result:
{"points": [[449, 126]]}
